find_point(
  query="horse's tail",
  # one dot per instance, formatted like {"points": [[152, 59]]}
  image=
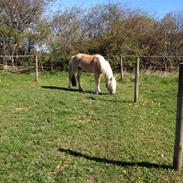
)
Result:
{"points": [[73, 78]]}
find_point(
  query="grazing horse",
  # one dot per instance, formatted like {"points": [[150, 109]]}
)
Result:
{"points": [[91, 63]]}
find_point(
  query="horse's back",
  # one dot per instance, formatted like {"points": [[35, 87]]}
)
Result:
{"points": [[89, 63]]}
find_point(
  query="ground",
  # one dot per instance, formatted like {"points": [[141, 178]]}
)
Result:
{"points": [[50, 134]]}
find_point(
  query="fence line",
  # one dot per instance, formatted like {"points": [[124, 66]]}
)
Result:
{"points": [[14, 69], [133, 56], [153, 56], [16, 56]]}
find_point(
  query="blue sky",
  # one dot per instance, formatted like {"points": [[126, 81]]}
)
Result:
{"points": [[157, 8]]}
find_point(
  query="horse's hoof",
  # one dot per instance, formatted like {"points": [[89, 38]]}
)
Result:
{"points": [[81, 89], [98, 93]]}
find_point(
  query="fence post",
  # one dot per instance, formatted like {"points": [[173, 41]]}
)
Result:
{"points": [[136, 89], [178, 147], [121, 68], [13, 62], [37, 70]]}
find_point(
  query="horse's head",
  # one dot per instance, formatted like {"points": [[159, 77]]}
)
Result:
{"points": [[111, 85]]}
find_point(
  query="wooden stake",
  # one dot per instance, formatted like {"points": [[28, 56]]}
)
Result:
{"points": [[121, 69], [136, 88], [178, 147], [37, 70]]}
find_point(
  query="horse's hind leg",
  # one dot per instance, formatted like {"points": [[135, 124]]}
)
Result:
{"points": [[69, 82], [78, 79], [70, 74]]}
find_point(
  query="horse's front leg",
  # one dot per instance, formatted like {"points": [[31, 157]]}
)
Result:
{"points": [[97, 82], [78, 78]]}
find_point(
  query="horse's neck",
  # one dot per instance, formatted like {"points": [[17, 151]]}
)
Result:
{"points": [[105, 67], [107, 71]]}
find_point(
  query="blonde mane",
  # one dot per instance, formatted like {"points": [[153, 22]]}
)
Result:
{"points": [[105, 67]]}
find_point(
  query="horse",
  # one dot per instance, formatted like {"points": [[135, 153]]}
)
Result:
{"points": [[91, 63]]}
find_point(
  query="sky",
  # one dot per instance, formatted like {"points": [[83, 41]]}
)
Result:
{"points": [[157, 8]]}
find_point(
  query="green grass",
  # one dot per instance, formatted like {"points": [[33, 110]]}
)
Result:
{"points": [[50, 135]]}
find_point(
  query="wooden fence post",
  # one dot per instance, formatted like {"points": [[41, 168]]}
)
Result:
{"points": [[121, 68], [37, 70], [136, 88], [13, 62], [178, 147]]}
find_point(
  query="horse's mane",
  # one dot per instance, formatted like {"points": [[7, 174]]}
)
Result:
{"points": [[105, 67]]}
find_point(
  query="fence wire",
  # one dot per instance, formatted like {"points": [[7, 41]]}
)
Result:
{"points": [[21, 63]]}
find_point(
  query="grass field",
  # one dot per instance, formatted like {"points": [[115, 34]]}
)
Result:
{"points": [[49, 134]]}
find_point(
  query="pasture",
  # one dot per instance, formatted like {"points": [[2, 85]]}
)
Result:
{"points": [[49, 134]]}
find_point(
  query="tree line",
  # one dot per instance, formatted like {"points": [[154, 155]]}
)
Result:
{"points": [[106, 29]]}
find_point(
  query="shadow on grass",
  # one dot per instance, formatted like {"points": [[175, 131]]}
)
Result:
{"points": [[87, 91], [114, 162], [66, 89], [71, 90], [116, 101]]}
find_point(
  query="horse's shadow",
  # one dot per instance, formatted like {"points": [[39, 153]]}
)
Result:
{"points": [[113, 162], [66, 89], [71, 89], [86, 91]]}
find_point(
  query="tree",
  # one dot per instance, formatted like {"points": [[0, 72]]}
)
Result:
{"points": [[66, 32], [16, 19]]}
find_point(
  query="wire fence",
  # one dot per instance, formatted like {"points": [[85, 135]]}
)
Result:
{"points": [[120, 63], [152, 63], [15, 63], [27, 63]]}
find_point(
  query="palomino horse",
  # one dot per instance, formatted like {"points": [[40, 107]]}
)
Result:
{"points": [[91, 63]]}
